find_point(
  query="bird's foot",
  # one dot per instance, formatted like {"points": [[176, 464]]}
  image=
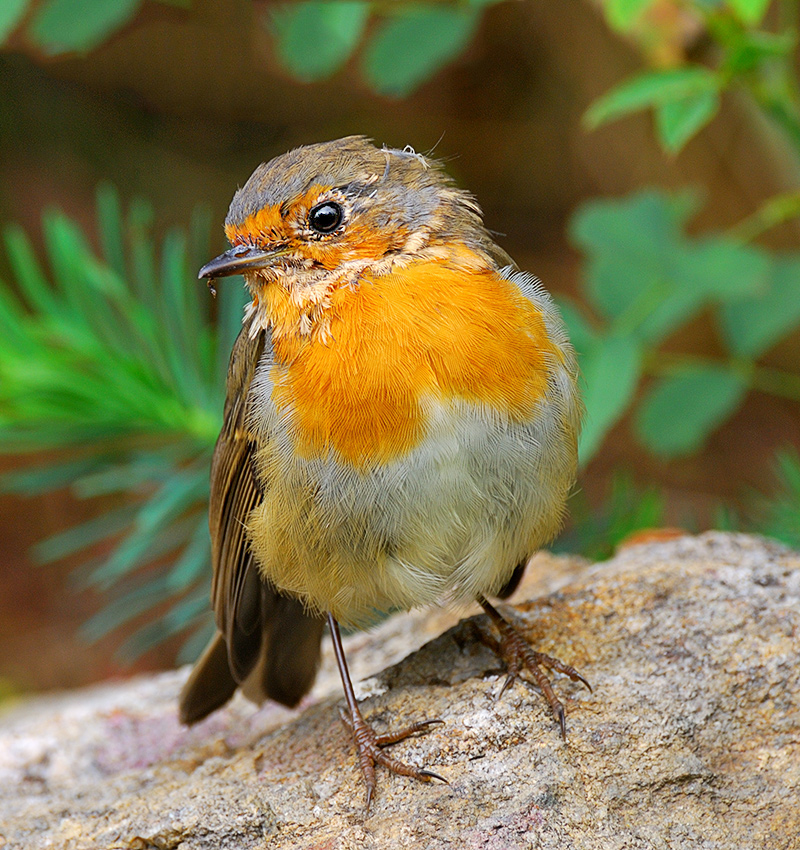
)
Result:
{"points": [[369, 746], [518, 656]]}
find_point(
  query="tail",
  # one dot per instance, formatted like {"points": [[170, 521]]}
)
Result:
{"points": [[285, 655]]}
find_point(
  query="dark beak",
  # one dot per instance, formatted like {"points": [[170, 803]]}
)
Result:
{"points": [[238, 260]]}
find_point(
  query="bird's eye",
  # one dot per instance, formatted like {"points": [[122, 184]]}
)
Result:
{"points": [[325, 217]]}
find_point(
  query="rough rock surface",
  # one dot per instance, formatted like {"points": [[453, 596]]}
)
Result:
{"points": [[691, 738]]}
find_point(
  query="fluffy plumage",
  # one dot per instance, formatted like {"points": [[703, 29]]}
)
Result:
{"points": [[402, 409]]}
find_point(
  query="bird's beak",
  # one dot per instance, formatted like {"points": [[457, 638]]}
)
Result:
{"points": [[237, 260]]}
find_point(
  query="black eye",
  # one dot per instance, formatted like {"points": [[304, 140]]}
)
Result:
{"points": [[325, 217]]}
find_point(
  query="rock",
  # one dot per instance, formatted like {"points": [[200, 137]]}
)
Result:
{"points": [[691, 738]]}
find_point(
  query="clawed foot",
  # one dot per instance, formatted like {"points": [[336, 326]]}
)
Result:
{"points": [[519, 656], [369, 743]]}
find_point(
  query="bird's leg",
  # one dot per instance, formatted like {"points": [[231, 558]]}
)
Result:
{"points": [[368, 742], [518, 655]]}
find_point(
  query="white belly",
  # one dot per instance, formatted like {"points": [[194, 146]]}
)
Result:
{"points": [[451, 518]]}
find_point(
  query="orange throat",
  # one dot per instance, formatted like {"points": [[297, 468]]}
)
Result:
{"points": [[361, 365]]}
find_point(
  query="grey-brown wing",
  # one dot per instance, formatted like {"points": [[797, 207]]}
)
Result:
{"points": [[235, 491], [266, 641]]}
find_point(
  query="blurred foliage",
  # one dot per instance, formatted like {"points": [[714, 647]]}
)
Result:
{"points": [[402, 43], [750, 52], [644, 278], [778, 513], [66, 26], [408, 44], [112, 363], [626, 508]]}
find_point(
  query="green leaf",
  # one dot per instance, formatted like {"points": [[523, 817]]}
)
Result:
{"points": [[749, 11], [314, 39], [231, 299], [110, 222], [132, 473], [410, 47], [607, 224], [143, 261], [125, 607], [61, 26], [173, 499], [748, 51], [751, 326], [194, 561], [611, 370], [183, 322], [653, 88], [11, 12], [680, 412], [622, 14], [724, 269], [179, 617], [14, 327], [646, 276], [678, 120], [40, 479], [86, 534], [27, 271]]}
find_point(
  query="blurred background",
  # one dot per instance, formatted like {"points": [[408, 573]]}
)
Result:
{"points": [[640, 156]]}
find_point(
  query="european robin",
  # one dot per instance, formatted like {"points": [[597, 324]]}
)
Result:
{"points": [[400, 426]]}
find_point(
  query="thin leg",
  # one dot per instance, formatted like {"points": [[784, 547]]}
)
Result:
{"points": [[518, 655], [368, 742]]}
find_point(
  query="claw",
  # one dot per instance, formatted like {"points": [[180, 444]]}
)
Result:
{"points": [[368, 743], [516, 652], [369, 746], [562, 721], [431, 775], [510, 679]]}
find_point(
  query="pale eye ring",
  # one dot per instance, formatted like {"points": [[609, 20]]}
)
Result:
{"points": [[325, 217]]}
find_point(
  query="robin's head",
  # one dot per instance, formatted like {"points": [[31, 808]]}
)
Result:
{"points": [[335, 209]]}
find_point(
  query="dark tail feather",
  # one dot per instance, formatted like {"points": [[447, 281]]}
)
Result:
{"points": [[294, 640], [280, 662], [209, 686]]}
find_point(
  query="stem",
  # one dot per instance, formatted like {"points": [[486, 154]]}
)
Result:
{"points": [[774, 211]]}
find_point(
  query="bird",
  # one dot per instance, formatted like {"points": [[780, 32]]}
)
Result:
{"points": [[400, 427]]}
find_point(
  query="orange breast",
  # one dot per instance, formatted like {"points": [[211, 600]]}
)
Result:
{"points": [[423, 332]]}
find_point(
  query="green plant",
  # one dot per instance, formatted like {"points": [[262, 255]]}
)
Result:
{"points": [[64, 26], [402, 43], [114, 365], [644, 278], [777, 514], [408, 43], [627, 507], [747, 55]]}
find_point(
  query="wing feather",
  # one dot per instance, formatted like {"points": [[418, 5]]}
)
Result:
{"points": [[271, 642]]}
